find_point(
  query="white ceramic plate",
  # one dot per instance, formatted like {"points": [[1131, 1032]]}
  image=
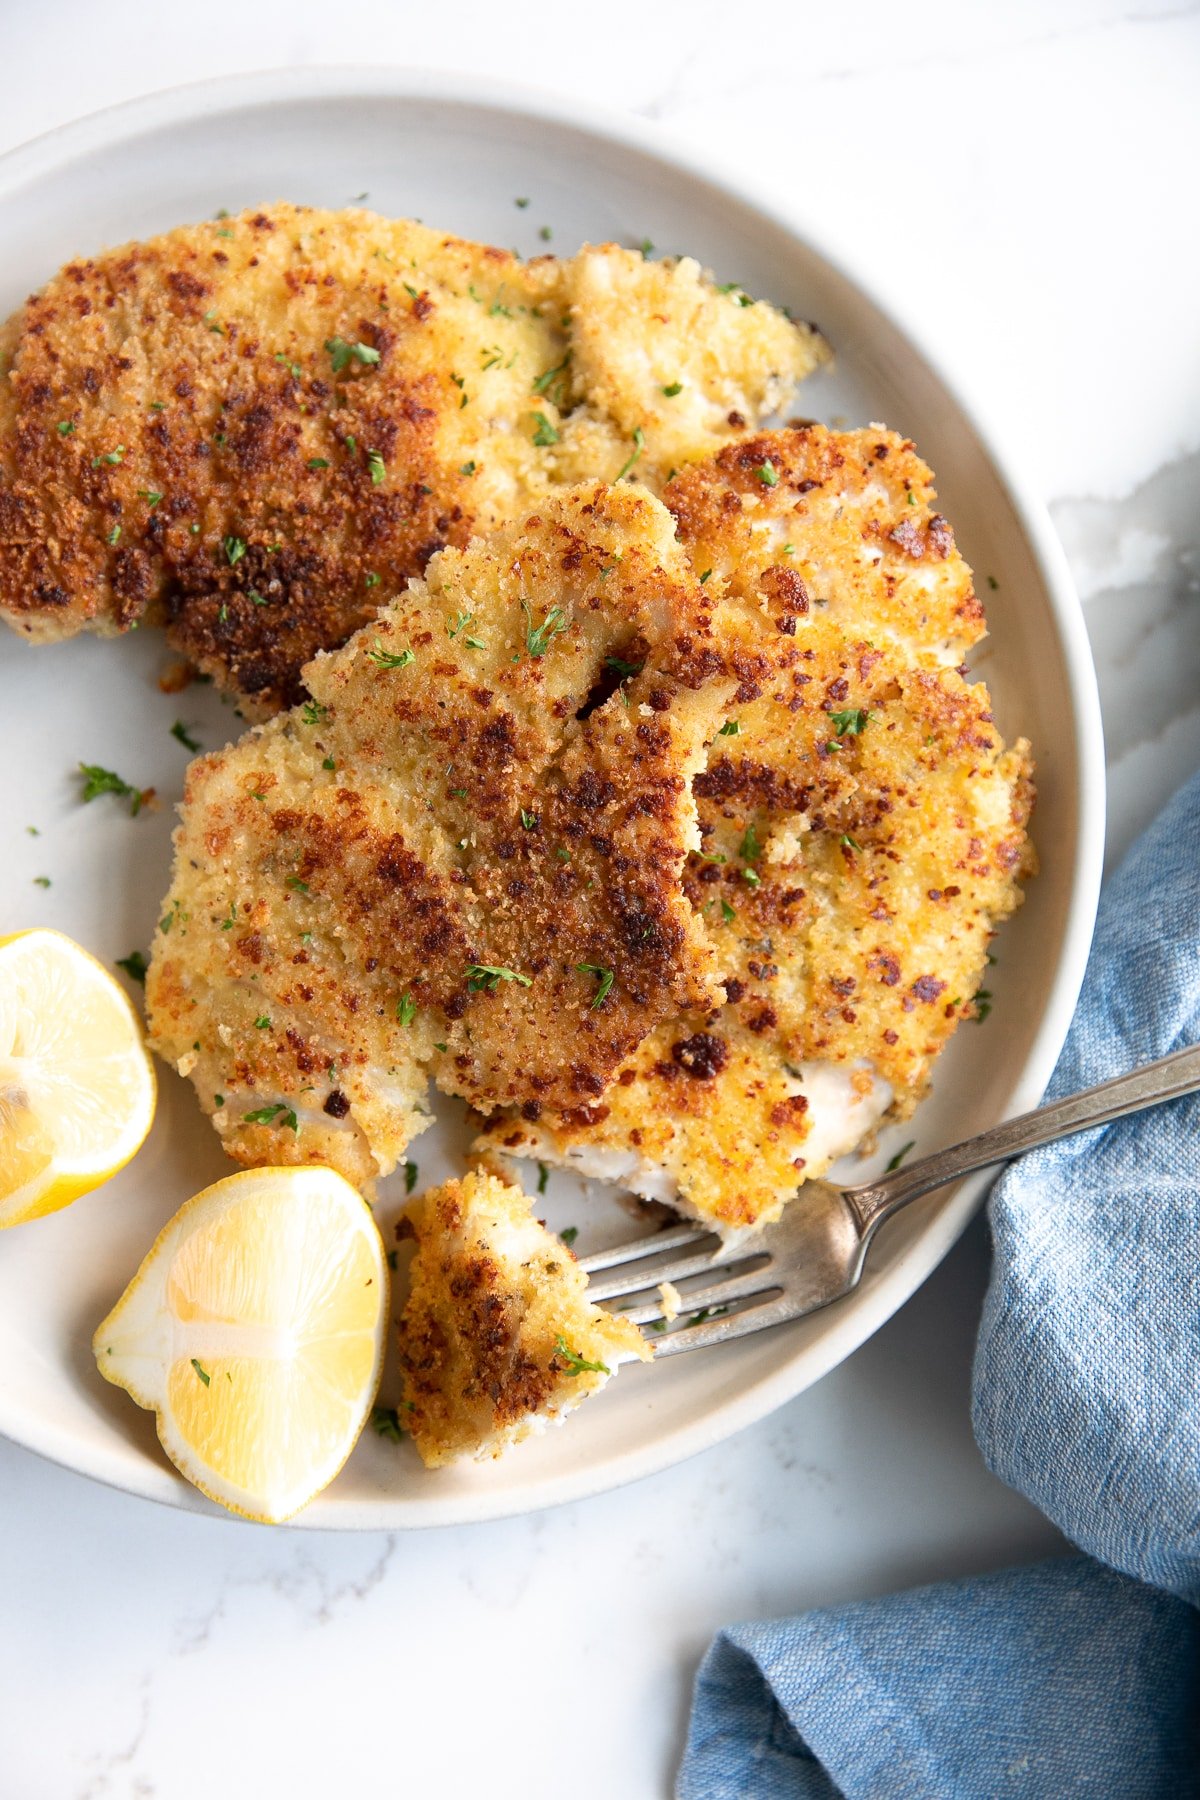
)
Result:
{"points": [[429, 147]]}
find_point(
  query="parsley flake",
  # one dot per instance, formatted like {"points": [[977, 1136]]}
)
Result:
{"points": [[386, 1421], [411, 1172], [202, 1372], [235, 549], [406, 1010], [180, 732], [387, 659], [545, 433], [376, 466], [65, 427], [731, 728], [676, 387], [537, 637], [340, 353], [569, 1235], [266, 1115], [134, 965], [98, 781], [486, 975], [113, 456], [899, 1156], [576, 1364], [639, 444], [605, 977], [768, 474], [849, 724]]}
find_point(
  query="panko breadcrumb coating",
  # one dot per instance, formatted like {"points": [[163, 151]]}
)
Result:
{"points": [[464, 855], [863, 835], [256, 429], [498, 1338]]}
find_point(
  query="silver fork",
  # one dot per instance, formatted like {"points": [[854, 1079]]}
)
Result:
{"points": [[815, 1253]]}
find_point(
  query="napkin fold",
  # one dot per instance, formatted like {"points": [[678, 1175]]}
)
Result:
{"points": [[1066, 1677]]}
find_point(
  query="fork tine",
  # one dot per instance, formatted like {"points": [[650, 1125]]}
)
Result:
{"points": [[611, 1287], [655, 1243], [773, 1308], [745, 1286]]}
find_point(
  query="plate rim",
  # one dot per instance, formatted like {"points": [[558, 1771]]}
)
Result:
{"points": [[864, 1313]]}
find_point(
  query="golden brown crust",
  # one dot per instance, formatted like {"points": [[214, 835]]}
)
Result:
{"points": [[863, 826], [494, 1299], [177, 440], [464, 855], [839, 522]]}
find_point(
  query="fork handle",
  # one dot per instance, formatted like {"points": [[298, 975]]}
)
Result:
{"points": [[1167, 1079]]}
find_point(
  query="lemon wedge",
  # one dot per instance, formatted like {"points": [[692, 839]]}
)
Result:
{"points": [[76, 1086], [255, 1330]]}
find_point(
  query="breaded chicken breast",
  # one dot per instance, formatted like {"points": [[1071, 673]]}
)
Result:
{"points": [[863, 835], [463, 856], [498, 1338], [257, 429]]}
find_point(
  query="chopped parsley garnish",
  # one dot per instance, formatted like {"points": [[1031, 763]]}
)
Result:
{"points": [[848, 843], [114, 536], [406, 1010], [545, 233], [293, 369], [313, 712], [485, 975], [262, 1023], [605, 977], [235, 549], [388, 659], [676, 387], [341, 353], [569, 1235], [370, 579], [552, 378], [318, 462], [639, 444], [458, 623], [376, 466], [266, 1115], [228, 923], [727, 912], [42, 881], [213, 323], [467, 468], [386, 1421], [537, 637], [705, 576], [103, 781], [113, 456], [522, 202], [151, 496], [203, 1373], [983, 1005], [329, 763], [623, 669], [849, 724], [576, 1364], [529, 820], [65, 427], [294, 881], [545, 433], [180, 731], [899, 1156], [991, 580], [134, 965], [543, 1177], [768, 474], [411, 1172], [731, 728], [750, 849]]}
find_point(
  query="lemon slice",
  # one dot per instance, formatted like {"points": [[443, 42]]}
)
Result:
{"points": [[254, 1329], [76, 1085]]}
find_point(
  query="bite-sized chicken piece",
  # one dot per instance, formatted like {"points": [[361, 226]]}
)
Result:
{"points": [[463, 855], [256, 429], [863, 834], [498, 1338], [835, 522]]}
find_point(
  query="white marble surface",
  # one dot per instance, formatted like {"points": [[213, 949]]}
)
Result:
{"points": [[1023, 178]]}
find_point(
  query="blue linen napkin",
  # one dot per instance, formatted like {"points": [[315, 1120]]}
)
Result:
{"points": [[1064, 1678]]}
